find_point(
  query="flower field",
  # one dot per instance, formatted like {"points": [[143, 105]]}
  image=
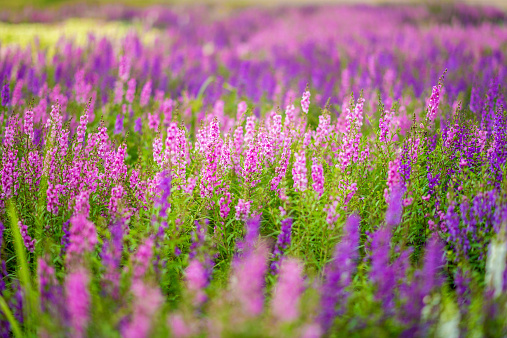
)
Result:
{"points": [[283, 172]]}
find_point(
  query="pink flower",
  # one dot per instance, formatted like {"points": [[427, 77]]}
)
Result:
{"points": [[190, 186], [248, 283], [124, 68], [243, 210], [147, 301], [131, 90], [299, 172], [153, 121], [431, 225], [242, 107], [116, 196], [29, 124], [407, 201], [224, 203], [285, 303], [145, 94], [317, 177], [118, 92], [384, 126], [197, 280], [393, 178], [29, 242], [351, 139], [83, 238], [434, 102], [81, 130], [52, 197], [305, 101], [179, 328], [78, 301], [332, 215], [281, 170], [158, 157], [143, 258]]}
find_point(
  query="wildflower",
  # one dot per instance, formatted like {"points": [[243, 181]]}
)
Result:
{"points": [[124, 68], [131, 90], [224, 203], [29, 124], [145, 94], [147, 301], [78, 301], [299, 172], [339, 274], [29, 242], [317, 177], [5, 94], [285, 302], [434, 102], [82, 238], [248, 283], [242, 107], [142, 258], [197, 280], [282, 243], [305, 101], [243, 209], [118, 92]]}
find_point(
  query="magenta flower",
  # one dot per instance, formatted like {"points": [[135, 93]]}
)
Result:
{"points": [[116, 196], [78, 301], [248, 281], [29, 124], [224, 203], [124, 68], [83, 238], [305, 101], [285, 302], [434, 103], [131, 90], [242, 107], [147, 301], [197, 279], [299, 172], [29, 242], [317, 177], [145, 94], [243, 210], [143, 258], [118, 92]]}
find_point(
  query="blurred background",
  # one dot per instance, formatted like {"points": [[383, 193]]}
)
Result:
{"points": [[20, 4]]}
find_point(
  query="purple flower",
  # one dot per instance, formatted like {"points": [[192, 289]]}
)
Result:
{"points": [[138, 127], [339, 274], [6, 94], [282, 243], [395, 207]]}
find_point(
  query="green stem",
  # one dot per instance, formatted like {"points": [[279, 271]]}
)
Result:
{"points": [[14, 323]]}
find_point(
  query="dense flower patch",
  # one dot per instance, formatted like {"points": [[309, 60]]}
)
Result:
{"points": [[290, 172]]}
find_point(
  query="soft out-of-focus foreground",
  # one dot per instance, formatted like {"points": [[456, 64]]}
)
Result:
{"points": [[287, 172]]}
